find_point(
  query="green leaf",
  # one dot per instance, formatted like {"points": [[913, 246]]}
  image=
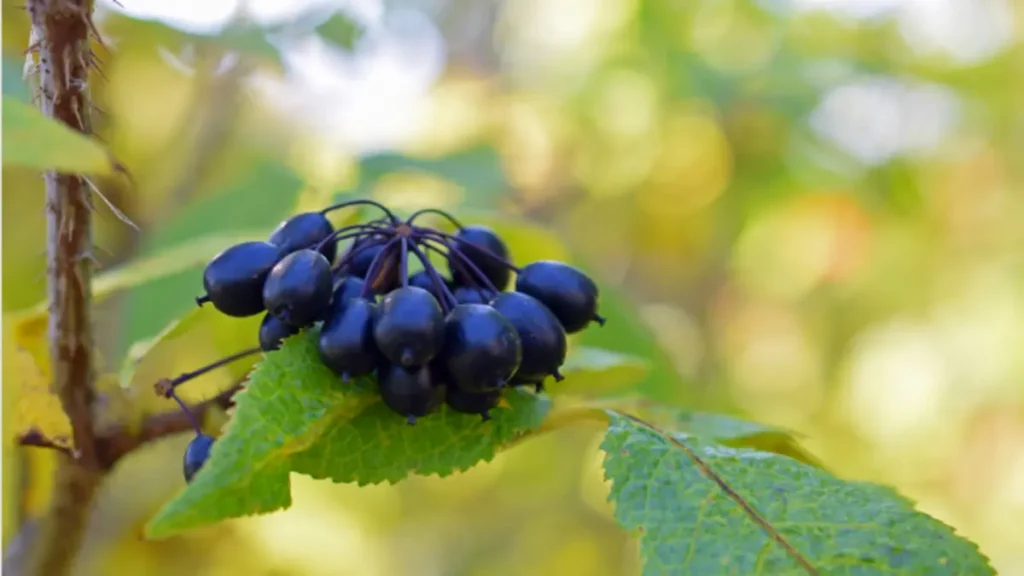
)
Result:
{"points": [[377, 446], [254, 205], [742, 433], [295, 415], [702, 508], [31, 140], [477, 170], [606, 372]]}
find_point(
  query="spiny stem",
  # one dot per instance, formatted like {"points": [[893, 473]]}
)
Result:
{"points": [[62, 31], [364, 202], [165, 387], [438, 235], [448, 301], [460, 257], [455, 222], [377, 262]]}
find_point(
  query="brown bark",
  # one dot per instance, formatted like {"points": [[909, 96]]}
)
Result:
{"points": [[62, 29]]}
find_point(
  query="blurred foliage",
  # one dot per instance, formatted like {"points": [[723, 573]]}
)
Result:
{"points": [[804, 217]]}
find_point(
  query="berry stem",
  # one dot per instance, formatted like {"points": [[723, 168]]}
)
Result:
{"points": [[404, 265], [446, 238], [448, 302], [374, 268], [166, 387], [200, 300], [465, 263], [455, 222], [358, 247], [188, 413], [348, 232], [364, 202]]}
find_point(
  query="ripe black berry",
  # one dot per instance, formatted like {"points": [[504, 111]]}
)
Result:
{"points": [[423, 280], [469, 240], [541, 334], [388, 275], [196, 454], [569, 293], [471, 295], [409, 328], [273, 331], [409, 392], [481, 348], [346, 342], [348, 289], [305, 230], [234, 278], [298, 288], [469, 403]]}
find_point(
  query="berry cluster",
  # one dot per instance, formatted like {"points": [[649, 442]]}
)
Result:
{"points": [[455, 335]]}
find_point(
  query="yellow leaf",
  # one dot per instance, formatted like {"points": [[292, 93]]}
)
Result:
{"points": [[38, 410], [32, 140], [30, 339]]}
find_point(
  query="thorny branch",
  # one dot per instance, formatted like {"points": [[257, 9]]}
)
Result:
{"points": [[61, 32]]}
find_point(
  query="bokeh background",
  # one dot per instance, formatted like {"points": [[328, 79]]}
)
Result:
{"points": [[814, 206]]}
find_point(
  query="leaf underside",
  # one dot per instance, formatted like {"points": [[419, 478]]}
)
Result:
{"points": [[688, 524]]}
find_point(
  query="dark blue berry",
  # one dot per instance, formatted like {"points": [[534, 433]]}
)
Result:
{"points": [[469, 403], [409, 328], [387, 276], [569, 293], [298, 289], [481, 348], [409, 392], [273, 332], [422, 279], [471, 295], [196, 454], [345, 291], [234, 278], [305, 230], [475, 243], [540, 333], [346, 343]]}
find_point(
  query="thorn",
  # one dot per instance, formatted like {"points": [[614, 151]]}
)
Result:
{"points": [[558, 375], [411, 420], [117, 212], [200, 300], [538, 387], [599, 319]]}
